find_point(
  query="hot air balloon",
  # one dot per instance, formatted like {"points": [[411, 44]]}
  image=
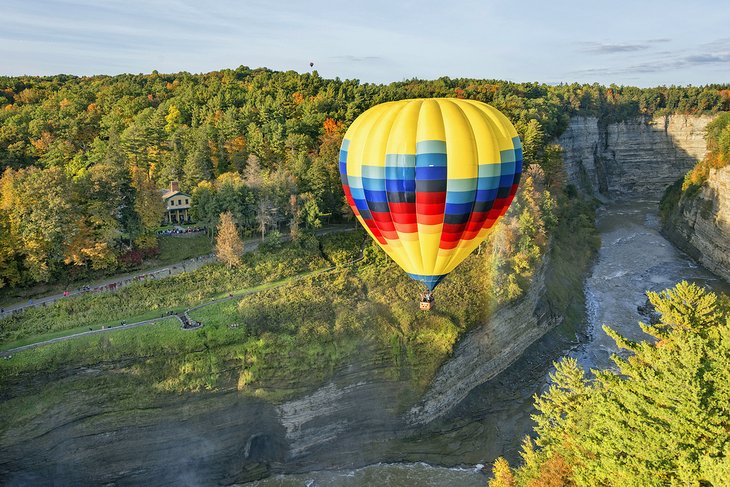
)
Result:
{"points": [[428, 178]]}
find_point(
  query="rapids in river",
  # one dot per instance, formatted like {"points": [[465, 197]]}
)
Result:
{"points": [[634, 257]]}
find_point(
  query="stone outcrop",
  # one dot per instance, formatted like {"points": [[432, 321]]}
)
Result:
{"points": [[701, 224], [641, 156], [488, 350]]}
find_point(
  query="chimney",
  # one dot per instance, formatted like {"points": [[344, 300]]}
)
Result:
{"points": [[174, 186]]}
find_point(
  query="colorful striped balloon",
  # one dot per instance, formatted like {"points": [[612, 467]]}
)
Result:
{"points": [[428, 178]]}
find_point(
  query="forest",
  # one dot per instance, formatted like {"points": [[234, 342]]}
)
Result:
{"points": [[83, 159]]}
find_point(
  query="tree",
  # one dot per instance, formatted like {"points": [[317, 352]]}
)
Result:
{"points": [[228, 243], [264, 215], [660, 419], [252, 172], [532, 142], [198, 165], [295, 216], [40, 217], [503, 476], [150, 209]]}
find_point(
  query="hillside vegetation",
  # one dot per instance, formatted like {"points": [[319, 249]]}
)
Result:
{"points": [[660, 419], [82, 158]]}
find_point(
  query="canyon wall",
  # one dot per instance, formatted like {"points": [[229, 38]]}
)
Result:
{"points": [[636, 157], [700, 225]]}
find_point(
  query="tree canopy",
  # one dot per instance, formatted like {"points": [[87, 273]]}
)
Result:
{"points": [[660, 419], [240, 140]]}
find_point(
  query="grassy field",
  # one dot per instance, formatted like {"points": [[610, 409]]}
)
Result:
{"points": [[157, 296], [289, 326], [176, 248]]}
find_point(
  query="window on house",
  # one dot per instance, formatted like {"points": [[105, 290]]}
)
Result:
{"points": [[186, 201], [172, 202]]}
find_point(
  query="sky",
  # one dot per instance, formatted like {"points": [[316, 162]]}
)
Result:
{"points": [[638, 42]]}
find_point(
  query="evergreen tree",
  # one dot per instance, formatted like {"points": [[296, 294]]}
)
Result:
{"points": [[661, 419]]}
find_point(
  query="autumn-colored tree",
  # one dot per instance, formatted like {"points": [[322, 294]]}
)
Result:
{"points": [[228, 243], [502, 474], [150, 209]]}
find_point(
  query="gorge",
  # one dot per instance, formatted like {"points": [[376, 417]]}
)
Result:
{"points": [[476, 407]]}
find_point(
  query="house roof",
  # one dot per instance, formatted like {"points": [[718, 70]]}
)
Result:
{"points": [[170, 194]]}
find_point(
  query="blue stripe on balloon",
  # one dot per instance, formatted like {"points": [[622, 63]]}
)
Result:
{"points": [[488, 182], [489, 170], [374, 172], [357, 193], [458, 208], [429, 281], [506, 180], [400, 160], [376, 196], [361, 204], [400, 185], [507, 156], [486, 195], [398, 172], [459, 197], [431, 147], [508, 167], [373, 184], [431, 173]]}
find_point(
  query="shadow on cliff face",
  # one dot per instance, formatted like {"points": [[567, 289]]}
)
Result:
{"points": [[173, 443], [635, 157]]}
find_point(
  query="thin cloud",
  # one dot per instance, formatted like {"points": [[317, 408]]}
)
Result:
{"points": [[357, 59], [600, 48], [620, 47], [668, 63]]}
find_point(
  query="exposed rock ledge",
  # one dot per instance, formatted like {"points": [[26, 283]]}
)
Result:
{"points": [[488, 350], [364, 405], [701, 224], [641, 156]]}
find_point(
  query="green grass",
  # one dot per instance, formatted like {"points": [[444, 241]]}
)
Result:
{"points": [[156, 296], [165, 336], [289, 326], [174, 249], [79, 329]]}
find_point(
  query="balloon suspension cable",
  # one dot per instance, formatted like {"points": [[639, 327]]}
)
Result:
{"points": [[426, 296]]}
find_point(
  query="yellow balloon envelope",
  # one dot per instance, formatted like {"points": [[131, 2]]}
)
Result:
{"points": [[428, 178]]}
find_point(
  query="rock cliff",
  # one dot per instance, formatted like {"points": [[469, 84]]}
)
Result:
{"points": [[641, 156], [700, 225], [370, 410]]}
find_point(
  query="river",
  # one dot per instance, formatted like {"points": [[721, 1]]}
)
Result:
{"points": [[634, 257]]}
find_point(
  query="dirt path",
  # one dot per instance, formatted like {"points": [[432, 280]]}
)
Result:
{"points": [[283, 282], [117, 282]]}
